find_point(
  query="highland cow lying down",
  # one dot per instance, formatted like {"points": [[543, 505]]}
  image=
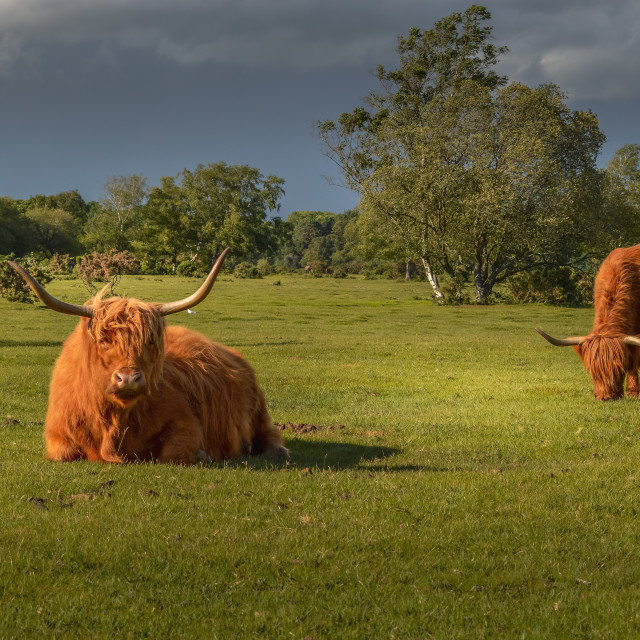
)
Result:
{"points": [[127, 387]]}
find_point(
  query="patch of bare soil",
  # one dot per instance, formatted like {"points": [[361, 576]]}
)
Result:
{"points": [[301, 427]]}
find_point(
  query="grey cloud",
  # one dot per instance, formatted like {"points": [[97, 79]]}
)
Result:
{"points": [[100, 87], [253, 33], [590, 49]]}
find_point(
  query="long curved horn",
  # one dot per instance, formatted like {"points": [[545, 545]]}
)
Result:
{"points": [[47, 299], [633, 340], [566, 342], [199, 295]]}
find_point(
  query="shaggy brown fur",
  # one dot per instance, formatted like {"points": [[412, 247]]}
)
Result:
{"points": [[617, 307], [126, 387]]}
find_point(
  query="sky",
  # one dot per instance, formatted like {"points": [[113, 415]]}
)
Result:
{"points": [[91, 89]]}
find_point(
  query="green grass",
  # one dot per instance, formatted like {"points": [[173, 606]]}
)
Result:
{"points": [[476, 488]]}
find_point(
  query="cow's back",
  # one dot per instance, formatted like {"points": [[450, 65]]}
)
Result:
{"points": [[617, 293]]}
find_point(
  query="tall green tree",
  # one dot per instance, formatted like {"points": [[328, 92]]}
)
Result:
{"points": [[277, 234], [459, 168], [54, 230], [621, 196], [113, 225], [226, 205], [70, 201], [16, 231], [163, 232], [625, 165]]}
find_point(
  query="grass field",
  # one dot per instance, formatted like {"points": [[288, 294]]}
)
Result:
{"points": [[462, 481]]}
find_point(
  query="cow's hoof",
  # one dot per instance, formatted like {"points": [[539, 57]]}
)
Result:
{"points": [[277, 452], [202, 456]]}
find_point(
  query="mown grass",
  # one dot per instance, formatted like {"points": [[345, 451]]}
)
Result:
{"points": [[463, 482]]}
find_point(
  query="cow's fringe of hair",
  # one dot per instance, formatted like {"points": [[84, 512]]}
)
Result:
{"points": [[604, 357], [114, 319]]}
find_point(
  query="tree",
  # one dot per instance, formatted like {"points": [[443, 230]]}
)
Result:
{"points": [[377, 148], [164, 223], [113, 224], [197, 213], [226, 205], [17, 231], [69, 201], [320, 249], [530, 191], [621, 197], [55, 230], [277, 235], [457, 168], [625, 166]]}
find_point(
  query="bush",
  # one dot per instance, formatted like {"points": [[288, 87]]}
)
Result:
{"points": [[246, 270], [154, 266], [553, 285], [340, 271], [264, 267], [13, 288], [187, 268], [373, 270], [353, 267], [291, 261], [62, 264], [316, 267], [105, 267], [454, 288], [35, 259]]}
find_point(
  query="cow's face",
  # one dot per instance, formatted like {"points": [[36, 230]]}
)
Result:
{"points": [[128, 339], [606, 360]]}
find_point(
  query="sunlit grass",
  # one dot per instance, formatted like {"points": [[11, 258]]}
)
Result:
{"points": [[462, 483]]}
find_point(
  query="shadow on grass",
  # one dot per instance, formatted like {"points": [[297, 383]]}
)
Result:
{"points": [[240, 344], [30, 343], [317, 454]]}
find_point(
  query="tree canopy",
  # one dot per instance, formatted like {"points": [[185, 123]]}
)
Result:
{"points": [[459, 169]]}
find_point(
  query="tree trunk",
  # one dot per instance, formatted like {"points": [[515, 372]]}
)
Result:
{"points": [[481, 271], [433, 280], [407, 273], [482, 291], [485, 280]]}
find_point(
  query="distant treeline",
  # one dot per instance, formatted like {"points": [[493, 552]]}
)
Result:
{"points": [[180, 227]]}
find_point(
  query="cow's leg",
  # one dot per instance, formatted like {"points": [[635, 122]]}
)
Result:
{"points": [[267, 439], [633, 385], [61, 448], [108, 451], [182, 442]]}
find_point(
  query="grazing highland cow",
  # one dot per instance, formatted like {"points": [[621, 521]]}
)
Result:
{"points": [[611, 351], [127, 387]]}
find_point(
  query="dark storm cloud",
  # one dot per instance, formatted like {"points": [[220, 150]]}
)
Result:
{"points": [[588, 47], [253, 33], [92, 88]]}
